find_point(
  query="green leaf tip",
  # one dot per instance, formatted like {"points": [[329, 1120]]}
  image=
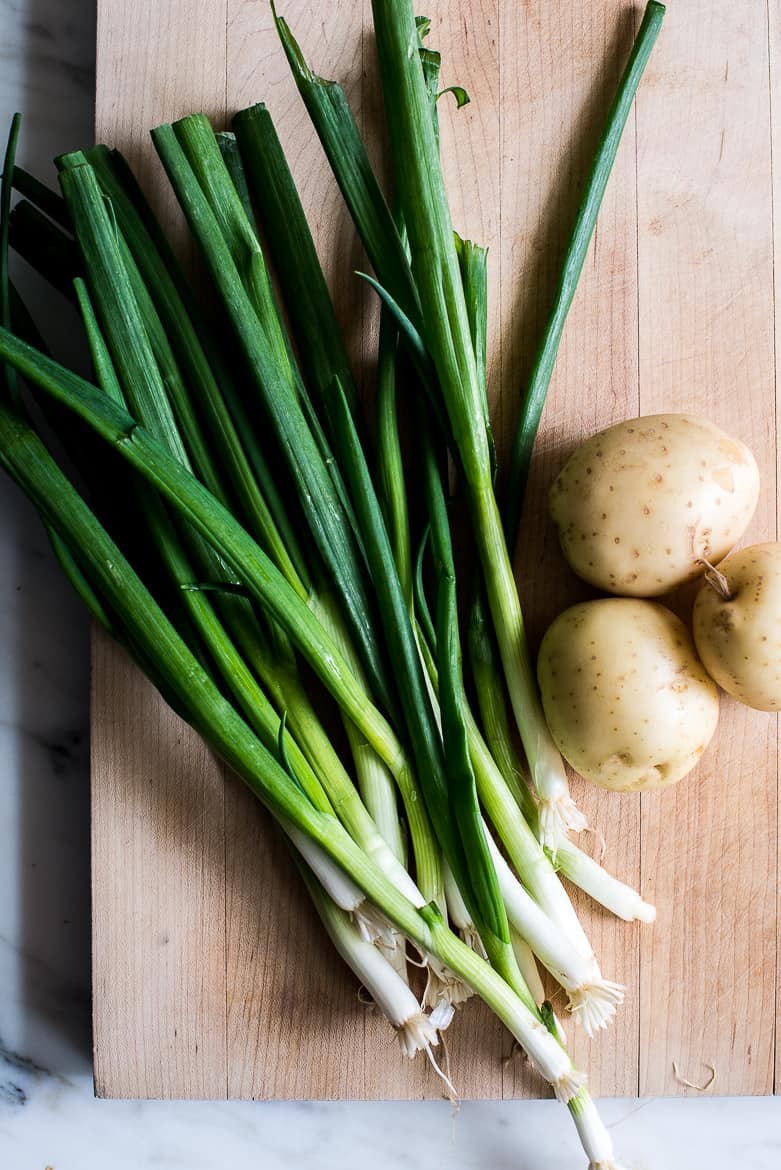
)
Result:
{"points": [[458, 92]]}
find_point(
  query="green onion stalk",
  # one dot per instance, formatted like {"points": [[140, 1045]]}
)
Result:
{"points": [[534, 396], [592, 999], [259, 168], [448, 337], [341, 890], [416, 1031]]}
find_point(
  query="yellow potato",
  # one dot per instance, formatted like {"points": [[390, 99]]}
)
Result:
{"points": [[627, 701], [637, 506], [737, 625]]}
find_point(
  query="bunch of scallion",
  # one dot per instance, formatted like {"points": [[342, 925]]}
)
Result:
{"points": [[214, 499]]}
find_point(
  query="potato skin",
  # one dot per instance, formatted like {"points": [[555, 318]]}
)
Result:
{"points": [[626, 699], [739, 641], [637, 505]]}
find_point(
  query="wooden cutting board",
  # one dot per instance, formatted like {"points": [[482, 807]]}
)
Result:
{"points": [[211, 978]]}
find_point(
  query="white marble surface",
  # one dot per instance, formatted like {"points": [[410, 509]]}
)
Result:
{"points": [[48, 1116]]}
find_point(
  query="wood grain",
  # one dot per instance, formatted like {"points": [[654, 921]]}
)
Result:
{"points": [[774, 38], [158, 796], [706, 345], [158, 893], [212, 976]]}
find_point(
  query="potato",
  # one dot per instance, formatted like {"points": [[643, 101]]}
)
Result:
{"points": [[627, 701], [737, 625], [638, 505]]}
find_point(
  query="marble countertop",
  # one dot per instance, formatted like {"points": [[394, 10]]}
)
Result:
{"points": [[48, 1115]]}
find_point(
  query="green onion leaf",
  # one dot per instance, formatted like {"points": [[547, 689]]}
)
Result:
{"points": [[542, 370]]}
